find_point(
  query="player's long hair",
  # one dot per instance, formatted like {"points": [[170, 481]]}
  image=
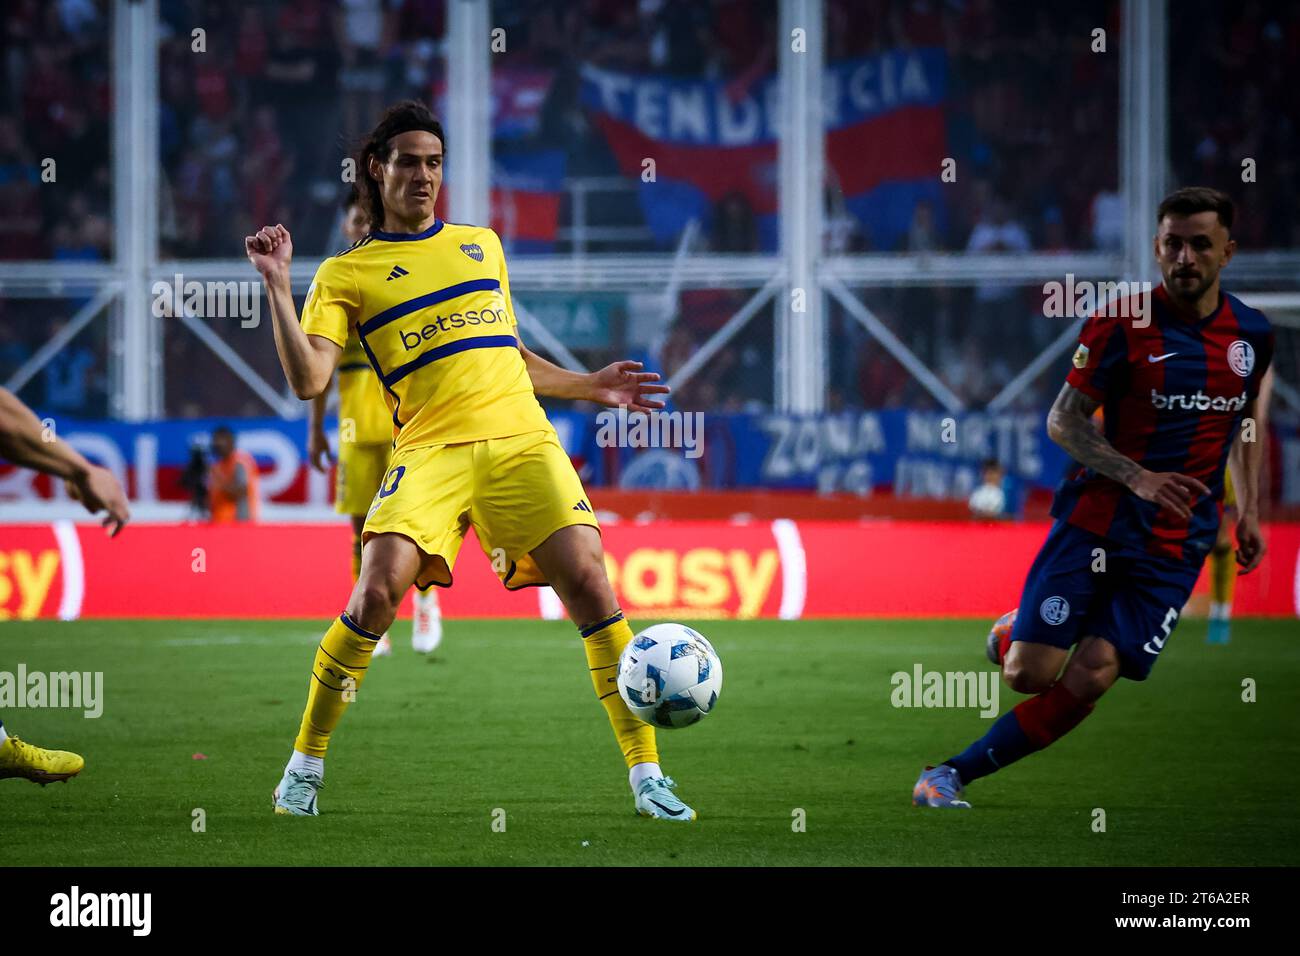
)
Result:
{"points": [[397, 119]]}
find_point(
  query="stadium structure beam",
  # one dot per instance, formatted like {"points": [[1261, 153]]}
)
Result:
{"points": [[469, 116], [1040, 363], [135, 366], [714, 343], [85, 315], [800, 365], [644, 272], [545, 339], [624, 272], [906, 358], [1144, 128], [285, 407]]}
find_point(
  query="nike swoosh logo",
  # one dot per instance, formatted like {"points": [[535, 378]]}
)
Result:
{"points": [[1160, 358], [671, 813], [993, 759]]}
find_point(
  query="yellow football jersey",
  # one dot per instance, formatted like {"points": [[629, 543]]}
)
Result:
{"points": [[436, 323], [361, 398]]}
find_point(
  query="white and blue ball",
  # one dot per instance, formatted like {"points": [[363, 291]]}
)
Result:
{"points": [[670, 676]]}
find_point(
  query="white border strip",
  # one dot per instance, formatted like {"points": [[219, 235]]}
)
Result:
{"points": [[74, 570], [794, 568]]}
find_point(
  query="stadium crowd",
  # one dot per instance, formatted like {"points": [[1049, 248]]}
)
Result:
{"points": [[258, 110]]}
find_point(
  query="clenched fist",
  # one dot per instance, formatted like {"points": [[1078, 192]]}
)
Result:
{"points": [[270, 250]]}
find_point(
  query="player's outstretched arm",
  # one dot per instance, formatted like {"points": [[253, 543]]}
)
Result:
{"points": [[318, 443], [25, 442], [1246, 463], [308, 360], [619, 384], [1069, 424]]}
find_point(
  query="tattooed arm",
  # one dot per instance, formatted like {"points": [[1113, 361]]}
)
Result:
{"points": [[1069, 424]]}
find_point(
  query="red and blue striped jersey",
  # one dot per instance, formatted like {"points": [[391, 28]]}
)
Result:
{"points": [[1174, 393]]}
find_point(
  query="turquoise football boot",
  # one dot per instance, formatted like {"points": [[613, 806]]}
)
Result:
{"points": [[1220, 632], [296, 794], [655, 798]]}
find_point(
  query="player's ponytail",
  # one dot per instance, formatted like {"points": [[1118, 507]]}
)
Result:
{"points": [[397, 119]]}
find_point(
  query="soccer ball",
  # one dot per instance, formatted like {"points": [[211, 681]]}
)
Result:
{"points": [[1002, 627], [669, 675]]}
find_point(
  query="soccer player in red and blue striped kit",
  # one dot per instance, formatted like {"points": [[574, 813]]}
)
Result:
{"points": [[1179, 383]]}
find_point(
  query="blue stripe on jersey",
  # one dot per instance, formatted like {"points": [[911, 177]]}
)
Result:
{"points": [[408, 236], [451, 348], [1188, 381], [428, 299], [374, 363]]}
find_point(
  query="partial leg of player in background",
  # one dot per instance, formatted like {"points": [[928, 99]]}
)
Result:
{"points": [[1223, 579], [385, 646], [426, 624], [388, 568], [18, 759], [573, 562], [1057, 708]]}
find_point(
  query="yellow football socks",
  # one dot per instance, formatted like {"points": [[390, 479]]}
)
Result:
{"points": [[340, 666], [604, 642]]}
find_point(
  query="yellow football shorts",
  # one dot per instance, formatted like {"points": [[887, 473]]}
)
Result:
{"points": [[515, 492], [357, 476]]}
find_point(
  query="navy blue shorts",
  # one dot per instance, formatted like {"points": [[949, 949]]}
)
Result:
{"points": [[1134, 603]]}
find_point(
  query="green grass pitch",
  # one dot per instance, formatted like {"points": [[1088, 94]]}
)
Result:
{"points": [[504, 718]]}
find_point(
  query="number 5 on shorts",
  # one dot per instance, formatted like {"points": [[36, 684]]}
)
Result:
{"points": [[1171, 617]]}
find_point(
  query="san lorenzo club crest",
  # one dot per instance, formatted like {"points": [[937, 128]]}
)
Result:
{"points": [[1055, 610], [1241, 357]]}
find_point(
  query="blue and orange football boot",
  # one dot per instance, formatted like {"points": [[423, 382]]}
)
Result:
{"points": [[939, 787]]}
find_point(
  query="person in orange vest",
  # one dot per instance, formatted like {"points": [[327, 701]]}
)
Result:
{"points": [[232, 480]]}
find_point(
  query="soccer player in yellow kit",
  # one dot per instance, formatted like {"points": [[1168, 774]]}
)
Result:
{"points": [[365, 440], [430, 301], [25, 441]]}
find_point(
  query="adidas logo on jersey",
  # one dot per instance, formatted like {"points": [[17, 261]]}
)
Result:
{"points": [[582, 506], [397, 273], [1199, 402]]}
